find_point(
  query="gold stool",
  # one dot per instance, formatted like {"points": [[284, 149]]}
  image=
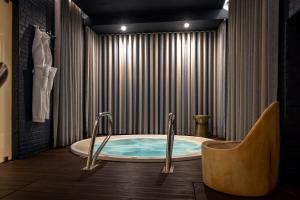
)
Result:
{"points": [[201, 127]]}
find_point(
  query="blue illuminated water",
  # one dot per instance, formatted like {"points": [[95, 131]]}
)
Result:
{"points": [[147, 147]]}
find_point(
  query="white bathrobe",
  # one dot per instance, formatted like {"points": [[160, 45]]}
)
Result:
{"points": [[43, 76], [40, 78], [52, 71]]}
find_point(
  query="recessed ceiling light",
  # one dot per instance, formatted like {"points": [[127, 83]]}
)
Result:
{"points": [[186, 25], [123, 28]]}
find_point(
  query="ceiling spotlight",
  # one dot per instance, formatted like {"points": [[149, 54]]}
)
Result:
{"points": [[186, 25], [123, 28]]}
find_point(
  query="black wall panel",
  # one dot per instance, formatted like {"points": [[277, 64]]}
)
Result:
{"points": [[28, 137], [289, 90]]}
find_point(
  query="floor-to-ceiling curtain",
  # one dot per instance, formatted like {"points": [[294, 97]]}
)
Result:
{"points": [[219, 104], [92, 80], [252, 63], [68, 85], [140, 78]]}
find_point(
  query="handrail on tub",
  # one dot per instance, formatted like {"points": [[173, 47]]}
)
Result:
{"points": [[169, 168], [92, 157]]}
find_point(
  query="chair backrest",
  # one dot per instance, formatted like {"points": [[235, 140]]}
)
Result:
{"points": [[268, 118], [264, 141]]}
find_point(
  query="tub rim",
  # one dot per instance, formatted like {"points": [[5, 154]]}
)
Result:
{"points": [[81, 148]]}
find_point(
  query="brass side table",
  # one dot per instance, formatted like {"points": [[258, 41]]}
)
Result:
{"points": [[201, 126]]}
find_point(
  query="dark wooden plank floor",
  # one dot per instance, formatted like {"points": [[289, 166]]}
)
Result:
{"points": [[56, 174]]}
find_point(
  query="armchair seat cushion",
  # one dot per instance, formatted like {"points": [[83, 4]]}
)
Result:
{"points": [[221, 145]]}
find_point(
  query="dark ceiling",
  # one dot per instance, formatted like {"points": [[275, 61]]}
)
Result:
{"points": [[106, 16]]}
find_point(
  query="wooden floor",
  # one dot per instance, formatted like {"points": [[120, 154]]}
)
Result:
{"points": [[56, 175]]}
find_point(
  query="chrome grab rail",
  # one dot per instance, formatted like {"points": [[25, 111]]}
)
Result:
{"points": [[92, 157], [168, 168]]}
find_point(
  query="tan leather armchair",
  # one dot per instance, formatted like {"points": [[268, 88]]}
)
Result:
{"points": [[247, 168]]}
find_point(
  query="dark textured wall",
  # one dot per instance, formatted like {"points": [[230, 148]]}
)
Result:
{"points": [[292, 98], [28, 137], [289, 95]]}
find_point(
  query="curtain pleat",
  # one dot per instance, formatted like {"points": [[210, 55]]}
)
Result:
{"points": [[92, 82], [219, 74], [68, 84], [252, 63], [143, 77]]}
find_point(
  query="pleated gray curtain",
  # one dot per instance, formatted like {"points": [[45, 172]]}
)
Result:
{"points": [[140, 78], [68, 85], [92, 79], [219, 104], [252, 63]]}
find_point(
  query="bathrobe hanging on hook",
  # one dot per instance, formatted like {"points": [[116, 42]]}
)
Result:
{"points": [[43, 76], [52, 71]]}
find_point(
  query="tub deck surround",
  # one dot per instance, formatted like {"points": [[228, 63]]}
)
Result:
{"points": [[81, 148]]}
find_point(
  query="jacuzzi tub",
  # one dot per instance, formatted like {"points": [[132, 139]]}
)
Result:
{"points": [[142, 148]]}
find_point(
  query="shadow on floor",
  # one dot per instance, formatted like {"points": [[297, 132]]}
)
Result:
{"points": [[204, 193]]}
